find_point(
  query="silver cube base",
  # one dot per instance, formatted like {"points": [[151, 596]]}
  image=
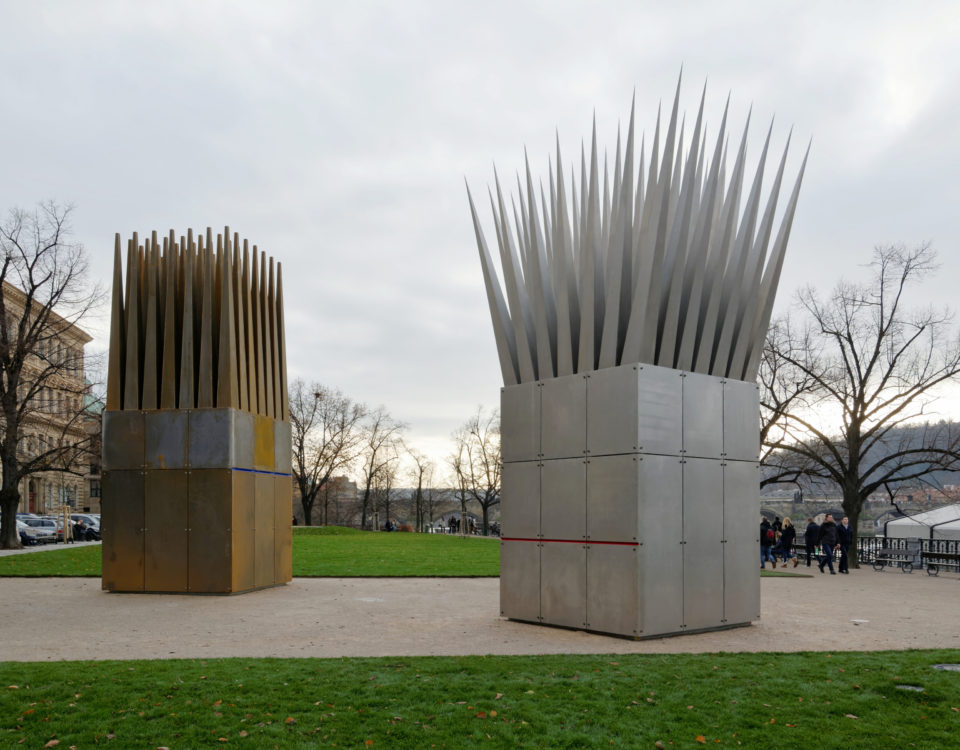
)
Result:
{"points": [[630, 501]]}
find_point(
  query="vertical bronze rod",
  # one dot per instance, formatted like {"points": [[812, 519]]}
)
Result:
{"points": [[282, 349], [131, 387], [267, 339], [115, 361]]}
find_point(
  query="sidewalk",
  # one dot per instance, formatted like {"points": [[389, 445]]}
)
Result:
{"points": [[71, 618]]}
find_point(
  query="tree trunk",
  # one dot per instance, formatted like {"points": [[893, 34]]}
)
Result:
{"points": [[364, 507], [307, 504], [486, 516], [9, 501], [852, 503]]}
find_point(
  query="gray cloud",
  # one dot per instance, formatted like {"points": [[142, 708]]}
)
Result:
{"points": [[337, 138]]}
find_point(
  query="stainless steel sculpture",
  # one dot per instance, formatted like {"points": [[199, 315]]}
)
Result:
{"points": [[629, 326], [196, 433]]}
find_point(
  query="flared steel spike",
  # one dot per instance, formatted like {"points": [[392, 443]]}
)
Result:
{"points": [[499, 315]]}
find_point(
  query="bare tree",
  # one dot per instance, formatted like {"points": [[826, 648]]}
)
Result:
{"points": [[383, 495], [44, 296], [875, 369], [327, 437], [421, 473], [380, 450], [476, 462], [785, 388]]}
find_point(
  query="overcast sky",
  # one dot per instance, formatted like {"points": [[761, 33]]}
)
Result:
{"points": [[337, 136]]}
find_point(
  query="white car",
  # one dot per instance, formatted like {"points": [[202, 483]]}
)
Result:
{"points": [[36, 534], [47, 524]]}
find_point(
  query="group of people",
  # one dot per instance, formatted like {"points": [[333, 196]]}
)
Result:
{"points": [[779, 537]]}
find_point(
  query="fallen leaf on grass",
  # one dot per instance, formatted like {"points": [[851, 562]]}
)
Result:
{"points": [[851, 716], [289, 720], [658, 744], [243, 732], [701, 739], [482, 715], [498, 697], [13, 687], [52, 743]]}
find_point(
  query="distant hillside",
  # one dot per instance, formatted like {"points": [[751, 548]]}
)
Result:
{"points": [[909, 436]]}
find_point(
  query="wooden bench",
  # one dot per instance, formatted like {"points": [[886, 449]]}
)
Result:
{"points": [[903, 558], [936, 560]]}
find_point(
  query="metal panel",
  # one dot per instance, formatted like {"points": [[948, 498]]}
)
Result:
{"points": [[563, 499], [612, 410], [661, 534], [741, 522], [211, 439], [122, 523], [263, 538], [211, 511], [659, 410], [263, 444], [563, 584], [612, 497], [702, 415], [520, 500], [702, 543], [282, 529], [282, 447], [520, 422], [123, 440], [166, 439], [243, 422], [613, 592], [520, 580], [563, 423], [165, 531], [741, 420], [243, 531]]}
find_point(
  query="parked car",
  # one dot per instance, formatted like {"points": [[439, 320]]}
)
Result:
{"points": [[48, 524], [35, 534]]}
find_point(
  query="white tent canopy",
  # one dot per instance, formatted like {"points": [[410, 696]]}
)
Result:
{"points": [[939, 523]]}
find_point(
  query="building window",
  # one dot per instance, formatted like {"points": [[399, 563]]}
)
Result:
{"points": [[95, 488]]}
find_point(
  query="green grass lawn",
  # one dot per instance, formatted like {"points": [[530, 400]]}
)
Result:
{"points": [[317, 551], [809, 700]]}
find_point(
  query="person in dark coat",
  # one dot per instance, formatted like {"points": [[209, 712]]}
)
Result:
{"points": [[787, 538], [767, 538], [828, 543], [811, 538], [845, 539]]}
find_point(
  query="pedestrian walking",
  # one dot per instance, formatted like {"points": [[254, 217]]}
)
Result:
{"points": [[828, 543], [767, 538], [787, 538], [845, 539], [811, 538]]}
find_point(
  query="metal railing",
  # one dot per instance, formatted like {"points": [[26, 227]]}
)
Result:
{"points": [[869, 547]]}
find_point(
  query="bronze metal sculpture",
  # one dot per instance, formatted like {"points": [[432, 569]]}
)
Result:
{"points": [[196, 432]]}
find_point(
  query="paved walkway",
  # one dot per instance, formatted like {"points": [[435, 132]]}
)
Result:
{"points": [[71, 618], [43, 548]]}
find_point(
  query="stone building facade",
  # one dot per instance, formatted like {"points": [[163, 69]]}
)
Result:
{"points": [[60, 414]]}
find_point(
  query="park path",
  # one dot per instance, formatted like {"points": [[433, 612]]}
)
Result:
{"points": [[71, 618]]}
